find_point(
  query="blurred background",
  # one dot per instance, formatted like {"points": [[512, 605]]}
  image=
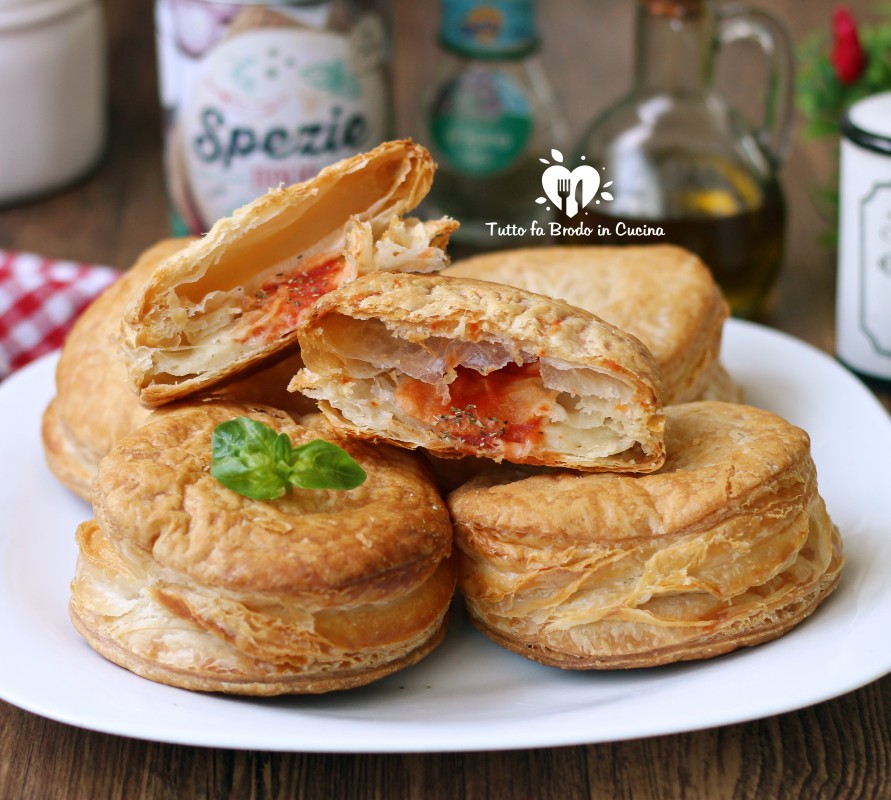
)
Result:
{"points": [[587, 53]]}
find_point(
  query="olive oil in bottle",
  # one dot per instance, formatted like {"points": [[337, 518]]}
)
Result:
{"points": [[685, 167], [743, 248]]}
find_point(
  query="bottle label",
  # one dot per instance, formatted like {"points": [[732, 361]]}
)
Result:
{"points": [[494, 28], [481, 123], [875, 267], [260, 96]]}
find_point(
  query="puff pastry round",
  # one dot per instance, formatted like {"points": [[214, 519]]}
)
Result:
{"points": [[187, 583], [729, 544], [663, 295], [234, 297], [95, 406], [463, 367]]}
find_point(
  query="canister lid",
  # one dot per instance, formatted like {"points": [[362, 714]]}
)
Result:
{"points": [[868, 123], [22, 13]]}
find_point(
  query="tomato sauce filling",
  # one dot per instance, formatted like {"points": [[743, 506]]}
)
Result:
{"points": [[507, 405], [286, 298]]}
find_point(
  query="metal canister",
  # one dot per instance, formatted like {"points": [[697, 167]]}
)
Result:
{"points": [[260, 94]]}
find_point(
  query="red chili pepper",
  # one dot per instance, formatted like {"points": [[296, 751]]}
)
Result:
{"points": [[848, 56]]}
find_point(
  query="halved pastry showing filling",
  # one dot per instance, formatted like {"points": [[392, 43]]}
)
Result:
{"points": [[236, 296], [94, 408], [462, 367]]}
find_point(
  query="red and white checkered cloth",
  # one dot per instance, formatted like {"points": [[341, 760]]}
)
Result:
{"points": [[40, 298]]}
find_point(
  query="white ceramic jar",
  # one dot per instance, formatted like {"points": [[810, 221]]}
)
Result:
{"points": [[52, 94]]}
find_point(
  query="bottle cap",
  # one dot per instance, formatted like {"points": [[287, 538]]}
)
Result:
{"points": [[489, 29], [268, 2], [679, 9]]}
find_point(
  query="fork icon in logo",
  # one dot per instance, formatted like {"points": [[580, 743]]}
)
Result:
{"points": [[564, 188]]}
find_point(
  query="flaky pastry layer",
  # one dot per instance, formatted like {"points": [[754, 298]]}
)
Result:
{"points": [[95, 406], [187, 582], [728, 545], [234, 297], [162, 626], [463, 367]]}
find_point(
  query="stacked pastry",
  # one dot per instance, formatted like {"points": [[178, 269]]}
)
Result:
{"points": [[185, 581], [234, 298], [630, 549], [463, 367], [597, 523], [728, 544]]}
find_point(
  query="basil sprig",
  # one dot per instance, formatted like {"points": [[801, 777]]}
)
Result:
{"points": [[250, 458]]}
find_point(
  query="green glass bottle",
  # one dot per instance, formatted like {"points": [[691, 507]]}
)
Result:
{"points": [[488, 118]]}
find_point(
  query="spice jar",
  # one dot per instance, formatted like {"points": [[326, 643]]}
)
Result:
{"points": [[258, 94], [52, 94]]}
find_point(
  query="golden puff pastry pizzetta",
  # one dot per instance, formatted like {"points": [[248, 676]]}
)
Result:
{"points": [[663, 295], [95, 405], [728, 545], [185, 582], [462, 367], [234, 297]]}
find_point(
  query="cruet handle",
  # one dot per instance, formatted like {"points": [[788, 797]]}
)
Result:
{"points": [[739, 21]]}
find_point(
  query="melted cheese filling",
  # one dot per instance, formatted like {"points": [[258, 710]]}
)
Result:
{"points": [[486, 398], [230, 324]]}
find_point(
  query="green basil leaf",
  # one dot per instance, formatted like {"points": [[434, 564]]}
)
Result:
{"points": [[322, 465], [244, 458], [282, 450], [248, 457]]}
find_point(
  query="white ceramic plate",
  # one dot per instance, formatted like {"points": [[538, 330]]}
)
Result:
{"points": [[469, 694]]}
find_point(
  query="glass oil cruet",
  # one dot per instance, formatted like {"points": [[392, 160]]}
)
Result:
{"points": [[685, 166]]}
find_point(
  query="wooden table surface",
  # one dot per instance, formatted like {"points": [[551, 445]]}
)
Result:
{"points": [[839, 748]]}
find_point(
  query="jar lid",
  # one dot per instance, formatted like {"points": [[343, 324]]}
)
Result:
{"points": [[22, 13]]}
